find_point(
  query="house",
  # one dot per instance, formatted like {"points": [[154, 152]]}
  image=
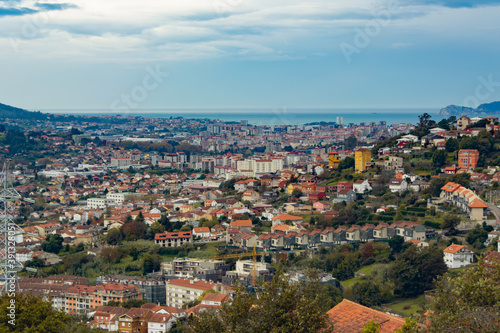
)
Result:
{"points": [[351, 317], [432, 139], [284, 218], [321, 206], [135, 320], [393, 163], [345, 195], [456, 256], [362, 186], [398, 185], [463, 122], [450, 170], [161, 323], [202, 232], [242, 225], [344, 186], [250, 195]]}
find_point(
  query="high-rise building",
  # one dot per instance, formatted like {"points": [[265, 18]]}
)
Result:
{"points": [[340, 120], [363, 158]]}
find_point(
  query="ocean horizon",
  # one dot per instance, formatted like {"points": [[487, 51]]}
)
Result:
{"points": [[275, 117]]}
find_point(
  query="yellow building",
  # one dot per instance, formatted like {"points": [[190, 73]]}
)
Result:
{"points": [[333, 160], [292, 187], [363, 158]]}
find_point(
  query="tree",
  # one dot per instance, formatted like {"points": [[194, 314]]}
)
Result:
{"points": [[346, 163], [114, 236], [151, 264], [451, 145], [296, 193], [371, 327], [477, 236], [397, 244], [350, 143], [439, 158], [139, 217], [366, 293], [53, 243], [469, 302], [410, 326], [450, 222], [413, 271], [278, 306], [134, 253], [34, 315], [157, 228]]}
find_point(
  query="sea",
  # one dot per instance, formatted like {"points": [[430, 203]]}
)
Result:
{"points": [[276, 116]]}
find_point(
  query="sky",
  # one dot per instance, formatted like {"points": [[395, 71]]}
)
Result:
{"points": [[123, 55]]}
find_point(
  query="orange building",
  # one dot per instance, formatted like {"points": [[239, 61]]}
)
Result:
{"points": [[82, 298], [467, 158]]}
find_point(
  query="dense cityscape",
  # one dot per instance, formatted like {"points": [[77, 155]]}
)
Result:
{"points": [[136, 224]]}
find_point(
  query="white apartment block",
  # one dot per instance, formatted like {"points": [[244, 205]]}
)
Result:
{"points": [[182, 291], [260, 165], [96, 203]]}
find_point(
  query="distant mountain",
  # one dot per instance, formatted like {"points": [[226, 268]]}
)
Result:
{"points": [[7, 111], [481, 110]]}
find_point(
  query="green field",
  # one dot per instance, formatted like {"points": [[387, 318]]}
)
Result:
{"points": [[407, 307], [366, 270]]}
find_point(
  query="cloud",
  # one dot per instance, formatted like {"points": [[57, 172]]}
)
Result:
{"points": [[16, 11], [55, 6], [96, 30]]}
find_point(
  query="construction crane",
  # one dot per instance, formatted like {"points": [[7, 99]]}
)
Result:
{"points": [[252, 254]]}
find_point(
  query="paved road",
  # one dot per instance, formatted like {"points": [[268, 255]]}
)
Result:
{"points": [[495, 210]]}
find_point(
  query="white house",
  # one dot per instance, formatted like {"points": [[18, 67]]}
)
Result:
{"points": [[362, 186], [398, 185], [456, 256], [202, 232], [161, 323]]}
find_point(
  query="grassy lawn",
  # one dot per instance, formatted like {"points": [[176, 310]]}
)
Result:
{"points": [[366, 270], [422, 172], [407, 306]]}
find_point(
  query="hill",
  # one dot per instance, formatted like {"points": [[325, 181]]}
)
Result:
{"points": [[7, 111], [11, 112], [481, 110]]}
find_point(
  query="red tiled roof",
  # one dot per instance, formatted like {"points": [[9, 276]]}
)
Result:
{"points": [[350, 317], [454, 248], [173, 235], [241, 223], [287, 217]]}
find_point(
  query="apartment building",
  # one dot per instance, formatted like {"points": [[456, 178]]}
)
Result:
{"points": [[362, 160], [173, 239], [468, 158], [182, 291], [153, 287], [74, 295], [203, 269]]}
